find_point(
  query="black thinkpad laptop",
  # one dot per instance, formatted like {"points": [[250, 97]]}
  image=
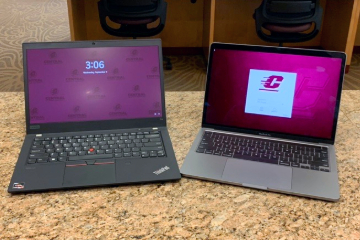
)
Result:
{"points": [[95, 115]]}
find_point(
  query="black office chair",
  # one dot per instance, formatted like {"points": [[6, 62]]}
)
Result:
{"points": [[133, 18], [288, 20]]}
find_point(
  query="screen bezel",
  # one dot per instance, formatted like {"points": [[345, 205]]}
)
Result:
{"points": [[101, 124], [279, 50]]}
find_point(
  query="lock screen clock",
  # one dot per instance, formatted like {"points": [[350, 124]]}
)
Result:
{"points": [[95, 64]]}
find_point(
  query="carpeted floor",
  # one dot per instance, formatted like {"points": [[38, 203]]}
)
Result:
{"points": [[47, 20]]}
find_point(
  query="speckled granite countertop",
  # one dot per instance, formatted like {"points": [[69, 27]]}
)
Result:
{"points": [[188, 209]]}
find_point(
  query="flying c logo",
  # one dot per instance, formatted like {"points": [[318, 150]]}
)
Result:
{"points": [[272, 83], [270, 93]]}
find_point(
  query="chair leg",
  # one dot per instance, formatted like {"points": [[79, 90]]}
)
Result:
{"points": [[168, 64]]}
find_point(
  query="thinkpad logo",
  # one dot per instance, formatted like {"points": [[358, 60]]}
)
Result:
{"points": [[161, 170]]}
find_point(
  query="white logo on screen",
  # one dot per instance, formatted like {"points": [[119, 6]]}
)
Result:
{"points": [[270, 93]]}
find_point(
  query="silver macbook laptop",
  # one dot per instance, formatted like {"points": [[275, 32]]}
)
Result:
{"points": [[269, 120]]}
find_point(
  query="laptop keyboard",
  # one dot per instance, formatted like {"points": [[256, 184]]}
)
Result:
{"points": [[97, 146], [264, 150]]}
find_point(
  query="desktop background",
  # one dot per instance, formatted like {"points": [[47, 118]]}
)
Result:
{"points": [[88, 84]]}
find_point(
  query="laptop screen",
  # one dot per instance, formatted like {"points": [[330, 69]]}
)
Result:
{"points": [[93, 83], [274, 91]]}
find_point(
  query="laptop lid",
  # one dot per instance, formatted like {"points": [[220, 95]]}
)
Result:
{"points": [[275, 92], [93, 85]]}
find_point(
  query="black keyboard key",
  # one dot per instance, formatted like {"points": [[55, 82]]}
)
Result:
{"points": [[284, 163], [40, 155], [312, 167], [90, 157], [151, 148], [152, 136], [269, 160], [227, 154], [38, 151], [295, 164], [152, 139], [152, 144], [109, 151], [161, 153], [127, 150], [135, 149], [136, 154], [63, 154], [37, 147], [41, 160], [62, 159], [31, 161]]}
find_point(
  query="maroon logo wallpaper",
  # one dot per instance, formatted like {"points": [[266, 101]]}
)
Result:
{"points": [[115, 75], [154, 73], [134, 56], [34, 111], [117, 107], [33, 74], [156, 105], [55, 95], [96, 94], [74, 76], [53, 59], [76, 113], [53, 55], [33, 78], [35, 115], [117, 111], [54, 91], [136, 88]]}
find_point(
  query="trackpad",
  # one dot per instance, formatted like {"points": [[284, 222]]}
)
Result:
{"points": [[257, 174], [89, 175]]}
